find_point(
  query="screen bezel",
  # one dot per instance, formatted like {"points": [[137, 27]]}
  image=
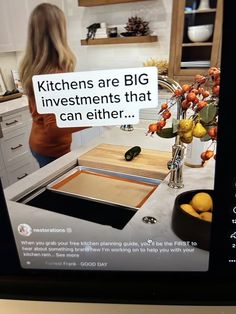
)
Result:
{"points": [[214, 287]]}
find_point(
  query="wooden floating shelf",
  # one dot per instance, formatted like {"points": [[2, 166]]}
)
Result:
{"points": [[119, 40], [92, 3]]}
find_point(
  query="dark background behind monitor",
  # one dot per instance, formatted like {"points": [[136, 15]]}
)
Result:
{"points": [[217, 286]]}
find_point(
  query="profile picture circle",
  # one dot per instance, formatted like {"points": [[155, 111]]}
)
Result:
{"points": [[24, 230]]}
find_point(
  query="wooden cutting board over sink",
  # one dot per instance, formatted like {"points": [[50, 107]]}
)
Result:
{"points": [[149, 163]]}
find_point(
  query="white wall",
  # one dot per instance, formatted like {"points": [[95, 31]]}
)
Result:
{"points": [[8, 63], [157, 12]]}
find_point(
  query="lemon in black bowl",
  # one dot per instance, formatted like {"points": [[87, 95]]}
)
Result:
{"points": [[192, 216]]}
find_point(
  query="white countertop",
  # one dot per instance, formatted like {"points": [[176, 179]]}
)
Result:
{"points": [[113, 135], [159, 204], [11, 106]]}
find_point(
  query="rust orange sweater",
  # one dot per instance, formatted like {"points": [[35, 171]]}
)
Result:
{"points": [[46, 138]]}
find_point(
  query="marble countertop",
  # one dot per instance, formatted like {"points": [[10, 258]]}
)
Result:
{"points": [[159, 205], [12, 106]]}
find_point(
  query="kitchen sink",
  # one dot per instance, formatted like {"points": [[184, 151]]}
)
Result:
{"points": [[101, 196]]}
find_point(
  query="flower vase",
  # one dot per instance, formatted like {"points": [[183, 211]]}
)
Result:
{"points": [[193, 153], [204, 5]]}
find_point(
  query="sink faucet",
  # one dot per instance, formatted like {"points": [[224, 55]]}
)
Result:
{"points": [[175, 165], [127, 127]]}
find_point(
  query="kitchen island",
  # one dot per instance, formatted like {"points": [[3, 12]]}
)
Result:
{"points": [[64, 242]]}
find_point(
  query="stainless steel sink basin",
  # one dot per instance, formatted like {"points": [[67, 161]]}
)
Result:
{"points": [[67, 195]]}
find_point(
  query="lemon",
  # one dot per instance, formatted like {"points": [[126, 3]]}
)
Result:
{"points": [[206, 216], [190, 210], [202, 202]]}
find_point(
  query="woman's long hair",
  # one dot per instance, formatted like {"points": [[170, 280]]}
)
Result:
{"points": [[47, 50]]}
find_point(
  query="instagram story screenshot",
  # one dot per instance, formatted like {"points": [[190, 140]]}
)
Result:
{"points": [[114, 132]]}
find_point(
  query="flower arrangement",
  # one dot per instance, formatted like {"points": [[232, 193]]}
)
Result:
{"points": [[198, 103], [138, 26], [162, 65]]}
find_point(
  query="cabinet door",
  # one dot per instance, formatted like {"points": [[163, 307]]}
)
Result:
{"points": [[14, 17], [18, 17], [6, 40], [24, 10], [190, 56], [31, 4], [20, 170], [14, 145], [15, 121]]}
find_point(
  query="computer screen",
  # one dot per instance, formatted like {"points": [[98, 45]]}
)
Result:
{"points": [[143, 213]]}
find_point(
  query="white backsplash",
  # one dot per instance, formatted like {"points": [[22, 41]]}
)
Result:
{"points": [[157, 12], [152, 113]]}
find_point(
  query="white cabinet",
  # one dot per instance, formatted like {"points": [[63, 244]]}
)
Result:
{"points": [[15, 144], [6, 40], [14, 16], [21, 169], [16, 159], [15, 121], [17, 22]]}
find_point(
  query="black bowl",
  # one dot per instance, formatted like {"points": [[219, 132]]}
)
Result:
{"points": [[188, 227], [128, 34]]}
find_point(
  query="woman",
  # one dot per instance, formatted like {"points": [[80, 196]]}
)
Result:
{"points": [[47, 51]]}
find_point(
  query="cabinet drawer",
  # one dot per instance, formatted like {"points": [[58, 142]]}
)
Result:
{"points": [[14, 145], [20, 170], [15, 121]]}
